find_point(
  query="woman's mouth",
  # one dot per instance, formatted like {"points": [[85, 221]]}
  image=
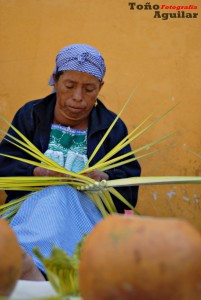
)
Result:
{"points": [[73, 109]]}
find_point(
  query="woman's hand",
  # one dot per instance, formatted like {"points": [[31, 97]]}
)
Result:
{"points": [[38, 171], [97, 175]]}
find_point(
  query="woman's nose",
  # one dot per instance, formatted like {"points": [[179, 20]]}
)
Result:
{"points": [[77, 95]]}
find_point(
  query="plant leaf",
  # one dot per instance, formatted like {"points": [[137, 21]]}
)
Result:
{"points": [[133, 181], [62, 269], [127, 140]]}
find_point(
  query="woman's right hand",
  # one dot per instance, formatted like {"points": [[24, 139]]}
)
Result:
{"points": [[38, 171]]}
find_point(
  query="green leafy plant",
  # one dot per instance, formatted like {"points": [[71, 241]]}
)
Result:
{"points": [[62, 269]]}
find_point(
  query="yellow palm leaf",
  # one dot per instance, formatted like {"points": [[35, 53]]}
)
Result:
{"points": [[111, 126], [130, 137]]}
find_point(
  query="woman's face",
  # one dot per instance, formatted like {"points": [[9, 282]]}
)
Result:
{"points": [[76, 94]]}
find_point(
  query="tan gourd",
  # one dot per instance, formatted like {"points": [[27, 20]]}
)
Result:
{"points": [[142, 258], [10, 259]]}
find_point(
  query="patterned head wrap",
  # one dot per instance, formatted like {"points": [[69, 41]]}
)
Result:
{"points": [[80, 57]]}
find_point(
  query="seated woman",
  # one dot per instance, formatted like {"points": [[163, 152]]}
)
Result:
{"points": [[66, 126]]}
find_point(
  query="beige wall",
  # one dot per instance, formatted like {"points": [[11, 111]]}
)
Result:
{"points": [[161, 56]]}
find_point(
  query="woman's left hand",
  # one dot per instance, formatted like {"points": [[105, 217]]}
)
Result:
{"points": [[97, 175]]}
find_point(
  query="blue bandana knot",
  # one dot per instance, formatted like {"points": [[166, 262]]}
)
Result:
{"points": [[80, 57]]}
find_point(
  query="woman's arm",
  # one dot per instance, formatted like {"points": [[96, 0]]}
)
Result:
{"points": [[24, 122]]}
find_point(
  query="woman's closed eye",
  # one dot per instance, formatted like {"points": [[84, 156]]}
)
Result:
{"points": [[69, 86], [89, 90]]}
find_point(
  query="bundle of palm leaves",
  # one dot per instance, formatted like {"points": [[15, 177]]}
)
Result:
{"points": [[99, 192]]}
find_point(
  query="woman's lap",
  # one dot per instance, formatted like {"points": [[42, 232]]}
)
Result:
{"points": [[55, 216]]}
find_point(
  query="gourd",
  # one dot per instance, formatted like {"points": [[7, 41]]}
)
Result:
{"points": [[10, 259], [142, 258]]}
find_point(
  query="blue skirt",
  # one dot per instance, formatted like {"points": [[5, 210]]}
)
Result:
{"points": [[55, 216]]}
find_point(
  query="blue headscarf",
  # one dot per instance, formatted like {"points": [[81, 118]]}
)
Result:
{"points": [[80, 57]]}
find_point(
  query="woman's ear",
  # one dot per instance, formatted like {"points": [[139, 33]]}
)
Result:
{"points": [[54, 78], [101, 85]]}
